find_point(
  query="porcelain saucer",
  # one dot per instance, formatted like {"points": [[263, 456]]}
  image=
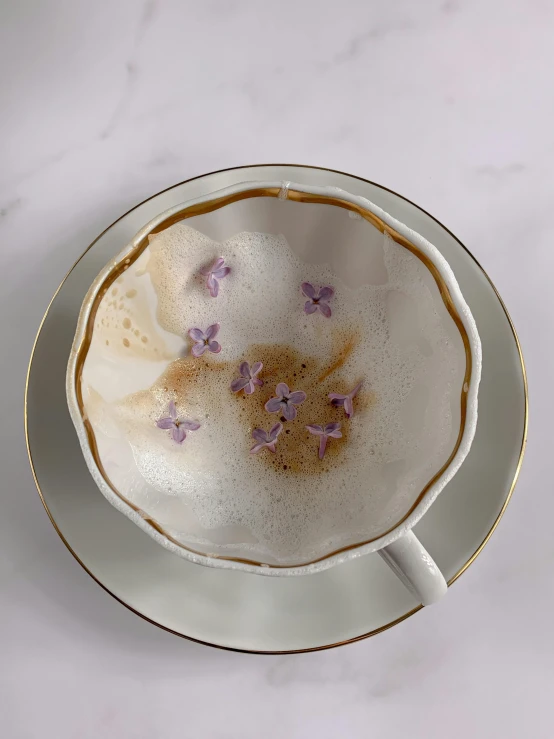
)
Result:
{"points": [[238, 610]]}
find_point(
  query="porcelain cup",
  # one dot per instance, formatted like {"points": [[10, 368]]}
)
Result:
{"points": [[370, 367]]}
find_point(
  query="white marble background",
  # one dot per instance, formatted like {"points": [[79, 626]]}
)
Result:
{"points": [[449, 102]]}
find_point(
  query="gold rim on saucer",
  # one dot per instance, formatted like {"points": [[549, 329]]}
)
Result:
{"points": [[385, 626]]}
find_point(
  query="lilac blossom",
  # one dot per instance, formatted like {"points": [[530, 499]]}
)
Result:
{"points": [[247, 380], [285, 401], [204, 341], [318, 299], [216, 272], [330, 431], [265, 439], [178, 426], [345, 400]]}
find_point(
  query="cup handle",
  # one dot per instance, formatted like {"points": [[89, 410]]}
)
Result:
{"points": [[411, 562]]}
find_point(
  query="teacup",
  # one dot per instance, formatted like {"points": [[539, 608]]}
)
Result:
{"points": [[277, 378]]}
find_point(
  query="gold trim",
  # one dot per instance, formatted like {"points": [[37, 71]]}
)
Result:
{"points": [[208, 207], [361, 636]]}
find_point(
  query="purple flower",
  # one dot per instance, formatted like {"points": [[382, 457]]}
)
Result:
{"points": [[204, 340], [345, 400], [216, 272], [330, 431], [247, 380], [318, 300], [265, 439], [285, 401], [178, 426]]}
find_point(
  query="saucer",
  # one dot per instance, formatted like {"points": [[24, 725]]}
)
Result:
{"points": [[238, 610]]}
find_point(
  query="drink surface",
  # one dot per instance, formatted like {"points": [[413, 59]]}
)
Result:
{"points": [[388, 329]]}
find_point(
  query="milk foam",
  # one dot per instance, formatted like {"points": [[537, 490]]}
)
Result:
{"points": [[210, 492]]}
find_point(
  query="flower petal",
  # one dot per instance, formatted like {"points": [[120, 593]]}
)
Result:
{"points": [[271, 447], [310, 307], [261, 436], [165, 423], [211, 331], [273, 405], [289, 411], [238, 384], [196, 334], [244, 370], [179, 434], [330, 427], [356, 390], [299, 396], [189, 425], [219, 262], [256, 448], [326, 293], [282, 390], [314, 428], [214, 347], [213, 285], [199, 349], [256, 367], [275, 431], [249, 388], [308, 289], [221, 272], [324, 308], [257, 381], [322, 445], [172, 409], [348, 406], [336, 398]]}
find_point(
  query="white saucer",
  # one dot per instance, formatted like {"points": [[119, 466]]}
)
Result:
{"points": [[237, 610]]}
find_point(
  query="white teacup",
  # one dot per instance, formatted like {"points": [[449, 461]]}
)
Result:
{"points": [[364, 408]]}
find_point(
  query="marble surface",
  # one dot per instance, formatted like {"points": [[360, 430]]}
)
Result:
{"points": [[448, 103]]}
